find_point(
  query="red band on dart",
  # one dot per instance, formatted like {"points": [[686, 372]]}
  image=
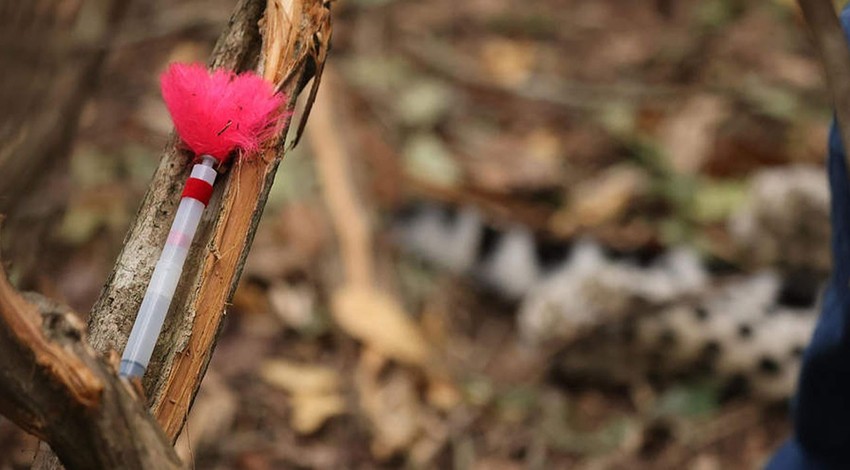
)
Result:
{"points": [[198, 189]]}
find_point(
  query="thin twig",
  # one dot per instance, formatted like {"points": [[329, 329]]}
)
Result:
{"points": [[832, 44], [334, 171]]}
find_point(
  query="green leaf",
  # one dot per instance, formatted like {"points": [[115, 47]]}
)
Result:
{"points": [[425, 103], [427, 158], [692, 400]]}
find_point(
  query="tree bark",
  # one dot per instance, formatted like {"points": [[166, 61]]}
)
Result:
{"points": [[54, 385]]}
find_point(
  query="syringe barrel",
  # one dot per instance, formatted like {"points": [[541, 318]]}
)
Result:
{"points": [[167, 272]]}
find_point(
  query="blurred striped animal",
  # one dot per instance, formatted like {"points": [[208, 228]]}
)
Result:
{"points": [[674, 311]]}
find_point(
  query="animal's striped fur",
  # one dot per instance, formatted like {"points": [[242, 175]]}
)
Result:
{"points": [[680, 312]]}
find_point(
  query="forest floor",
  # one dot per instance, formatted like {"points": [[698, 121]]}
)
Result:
{"points": [[521, 106]]}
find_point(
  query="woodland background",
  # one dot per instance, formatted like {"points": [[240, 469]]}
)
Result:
{"points": [[529, 106]]}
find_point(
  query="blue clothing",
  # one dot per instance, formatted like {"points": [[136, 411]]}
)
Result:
{"points": [[821, 408]]}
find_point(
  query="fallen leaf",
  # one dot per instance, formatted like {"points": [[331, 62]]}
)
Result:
{"points": [[294, 304], [153, 115], [427, 158], [314, 390], [601, 199], [687, 137], [298, 378], [503, 163], [716, 200], [80, 224], [377, 74], [691, 400], [425, 103], [188, 51], [391, 405], [509, 63], [92, 168], [443, 394], [380, 322], [310, 411], [706, 462], [250, 298], [492, 463]]}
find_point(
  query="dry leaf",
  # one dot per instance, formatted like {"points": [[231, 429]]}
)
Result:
{"points": [[427, 158], [187, 51], [314, 389], [688, 135], [294, 304], [509, 63], [310, 411], [250, 298], [300, 378], [392, 407], [502, 163], [601, 199], [443, 394], [377, 320]]}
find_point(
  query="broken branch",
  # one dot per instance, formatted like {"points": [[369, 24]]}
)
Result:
{"points": [[54, 385]]}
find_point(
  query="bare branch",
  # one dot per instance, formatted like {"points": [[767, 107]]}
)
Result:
{"points": [[832, 44], [54, 385]]}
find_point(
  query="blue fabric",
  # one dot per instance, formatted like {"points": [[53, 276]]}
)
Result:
{"points": [[821, 409]]}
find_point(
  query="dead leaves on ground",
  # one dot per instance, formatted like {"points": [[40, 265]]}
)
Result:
{"points": [[393, 385], [314, 391], [391, 405], [379, 321]]}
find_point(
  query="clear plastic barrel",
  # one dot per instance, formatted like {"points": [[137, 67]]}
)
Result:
{"points": [[164, 280]]}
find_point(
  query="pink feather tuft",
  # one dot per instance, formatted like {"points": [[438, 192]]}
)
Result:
{"points": [[218, 112]]}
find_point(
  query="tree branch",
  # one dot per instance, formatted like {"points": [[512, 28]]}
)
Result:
{"points": [[54, 385], [832, 44]]}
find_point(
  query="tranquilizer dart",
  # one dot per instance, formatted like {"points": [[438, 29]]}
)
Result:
{"points": [[215, 114]]}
